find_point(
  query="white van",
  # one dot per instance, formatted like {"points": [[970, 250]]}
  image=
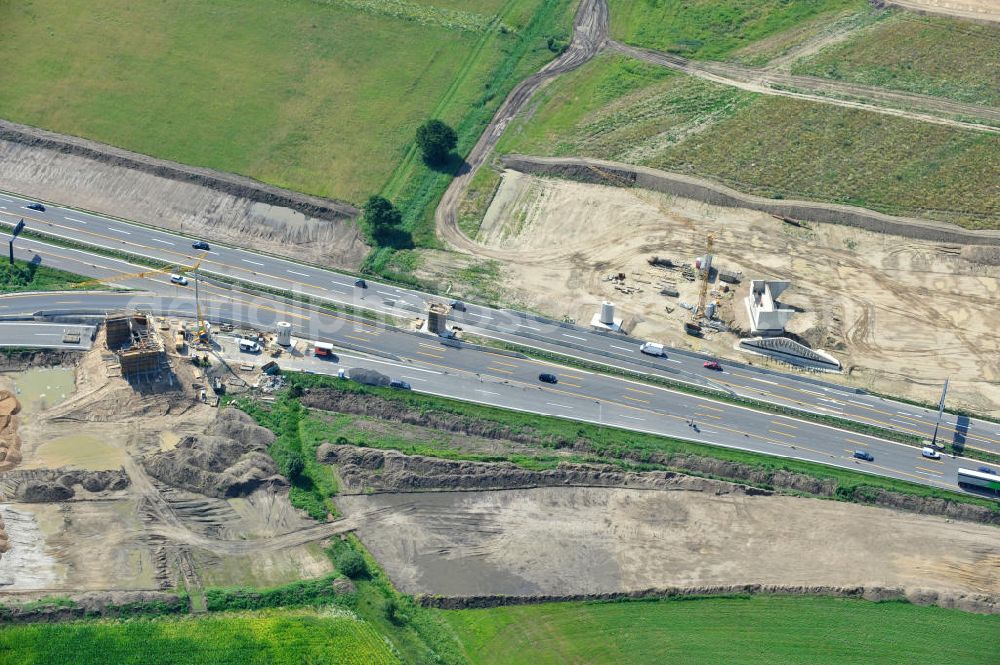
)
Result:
{"points": [[653, 349], [249, 346], [929, 452], [179, 279]]}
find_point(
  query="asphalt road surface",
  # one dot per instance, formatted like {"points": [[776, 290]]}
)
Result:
{"points": [[798, 391], [437, 366]]}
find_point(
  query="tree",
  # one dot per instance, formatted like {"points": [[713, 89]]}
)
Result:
{"points": [[436, 140], [352, 564], [382, 217]]}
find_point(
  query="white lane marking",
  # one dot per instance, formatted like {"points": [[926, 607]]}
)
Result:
{"points": [[412, 378], [831, 401], [74, 219], [811, 392], [671, 360], [582, 339], [253, 262], [208, 251], [521, 325], [113, 228], [3, 207], [902, 422], [620, 348], [561, 406], [4, 198], [632, 417], [857, 402], [47, 334], [772, 383], [165, 242], [340, 286], [385, 293], [293, 272], [902, 413], [487, 392]]}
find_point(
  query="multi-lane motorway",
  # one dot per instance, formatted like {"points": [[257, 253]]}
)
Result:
{"points": [[493, 378]]}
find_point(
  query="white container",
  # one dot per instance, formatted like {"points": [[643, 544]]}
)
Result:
{"points": [[284, 333]]}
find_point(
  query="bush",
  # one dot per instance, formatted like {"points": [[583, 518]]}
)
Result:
{"points": [[292, 465], [352, 564]]}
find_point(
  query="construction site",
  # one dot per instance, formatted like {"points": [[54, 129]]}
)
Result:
{"points": [[847, 300]]}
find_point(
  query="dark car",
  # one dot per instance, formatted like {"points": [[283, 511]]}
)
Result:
{"points": [[399, 385], [201, 244], [865, 455], [986, 469], [458, 305], [548, 378], [712, 364], [36, 206], [361, 284]]}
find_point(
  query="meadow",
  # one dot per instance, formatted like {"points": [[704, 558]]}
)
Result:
{"points": [[711, 29], [758, 629], [318, 96], [771, 146], [333, 635], [928, 55]]}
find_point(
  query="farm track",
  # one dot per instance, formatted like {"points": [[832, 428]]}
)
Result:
{"points": [[775, 82], [590, 34]]}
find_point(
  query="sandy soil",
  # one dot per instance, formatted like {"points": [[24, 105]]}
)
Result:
{"points": [[113, 541], [901, 315], [983, 10], [177, 205], [598, 540]]}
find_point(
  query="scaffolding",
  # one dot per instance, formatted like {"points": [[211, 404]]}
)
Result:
{"points": [[136, 345]]}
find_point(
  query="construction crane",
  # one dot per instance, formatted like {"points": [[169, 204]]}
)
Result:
{"points": [[693, 327], [201, 327]]}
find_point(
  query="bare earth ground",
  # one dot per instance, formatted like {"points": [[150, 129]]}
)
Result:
{"points": [[177, 205], [902, 315], [133, 539], [587, 540], [985, 10]]}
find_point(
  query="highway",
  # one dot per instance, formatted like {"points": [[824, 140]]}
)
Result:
{"points": [[801, 392], [437, 366]]}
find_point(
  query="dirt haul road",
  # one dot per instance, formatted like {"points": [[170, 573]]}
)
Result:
{"points": [[590, 33], [589, 540]]}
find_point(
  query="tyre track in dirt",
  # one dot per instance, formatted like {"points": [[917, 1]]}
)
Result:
{"points": [[775, 82], [590, 34]]}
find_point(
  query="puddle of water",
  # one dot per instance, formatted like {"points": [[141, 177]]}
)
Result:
{"points": [[40, 389], [169, 440], [81, 451]]}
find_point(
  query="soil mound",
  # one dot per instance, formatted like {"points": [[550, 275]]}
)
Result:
{"points": [[52, 485], [229, 460], [365, 470]]}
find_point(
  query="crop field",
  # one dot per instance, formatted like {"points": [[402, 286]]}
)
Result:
{"points": [[938, 56], [322, 97], [725, 630], [771, 146], [326, 636], [709, 29]]}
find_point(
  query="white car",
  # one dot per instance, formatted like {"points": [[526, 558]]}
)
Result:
{"points": [[930, 453], [179, 279]]}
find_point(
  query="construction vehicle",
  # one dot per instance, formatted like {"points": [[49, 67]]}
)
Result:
{"points": [[180, 342]]}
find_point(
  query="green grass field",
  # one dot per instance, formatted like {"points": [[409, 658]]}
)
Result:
{"points": [[23, 276], [761, 630], [272, 637], [322, 97], [929, 55], [711, 29], [772, 146]]}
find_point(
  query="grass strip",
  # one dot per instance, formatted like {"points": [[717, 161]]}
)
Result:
{"points": [[639, 448]]}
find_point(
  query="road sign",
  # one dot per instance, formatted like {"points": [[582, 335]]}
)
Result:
{"points": [[18, 228]]}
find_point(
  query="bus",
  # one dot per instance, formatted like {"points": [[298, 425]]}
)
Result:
{"points": [[979, 479]]}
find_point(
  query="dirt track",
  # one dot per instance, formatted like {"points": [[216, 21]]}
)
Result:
{"points": [[775, 82], [977, 10], [590, 32]]}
